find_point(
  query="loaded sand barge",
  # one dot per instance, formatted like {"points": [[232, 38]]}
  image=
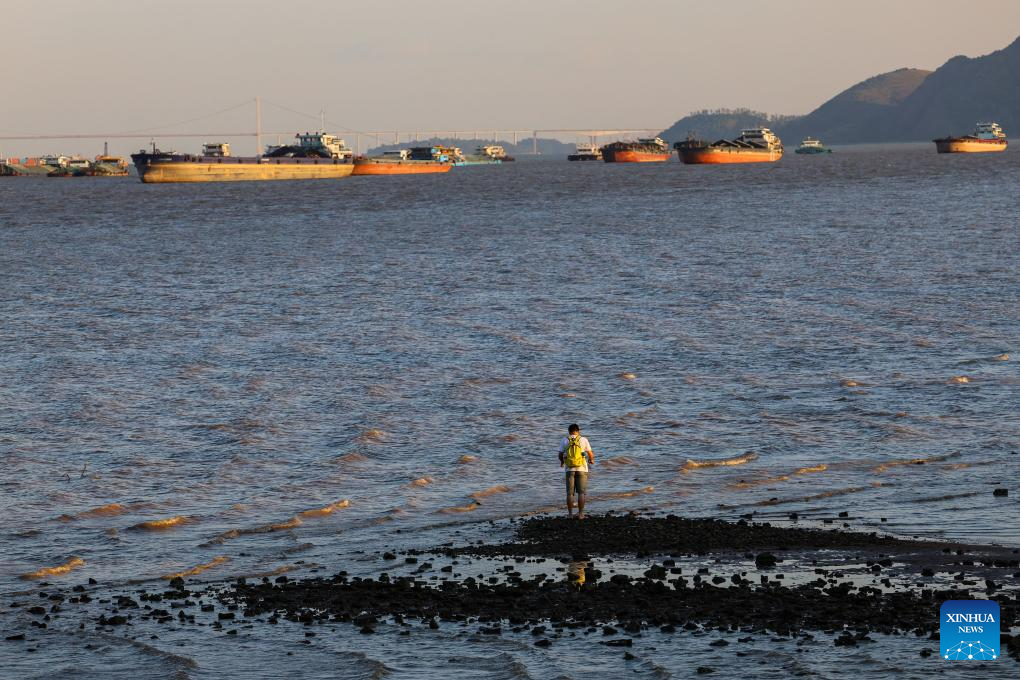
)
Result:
{"points": [[755, 145], [642, 151], [314, 156], [986, 137]]}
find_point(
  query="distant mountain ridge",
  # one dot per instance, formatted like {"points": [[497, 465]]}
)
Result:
{"points": [[856, 114], [905, 105]]}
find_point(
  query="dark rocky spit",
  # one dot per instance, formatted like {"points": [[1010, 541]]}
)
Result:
{"points": [[662, 591], [663, 597]]}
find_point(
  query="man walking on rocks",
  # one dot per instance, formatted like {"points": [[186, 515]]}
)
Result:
{"points": [[575, 454]]}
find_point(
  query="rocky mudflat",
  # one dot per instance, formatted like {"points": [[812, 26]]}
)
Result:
{"points": [[663, 596]]}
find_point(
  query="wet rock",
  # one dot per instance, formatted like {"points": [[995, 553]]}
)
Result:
{"points": [[656, 572], [1000, 492], [845, 640], [704, 670], [719, 643], [15, 638], [544, 642], [620, 642], [389, 556], [765, 560]]}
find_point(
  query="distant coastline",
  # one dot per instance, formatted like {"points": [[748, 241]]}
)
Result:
{"points": [[905, 105]]}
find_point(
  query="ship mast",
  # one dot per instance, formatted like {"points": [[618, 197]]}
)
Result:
{"points": [[258, 126]]}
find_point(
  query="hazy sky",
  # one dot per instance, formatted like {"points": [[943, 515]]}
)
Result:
{"points": [[127, 65]]}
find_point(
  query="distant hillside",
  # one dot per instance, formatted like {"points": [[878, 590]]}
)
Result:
{"points": [[960, 93], [721, 124], [914, 105], [857, 114], [546, 147]]}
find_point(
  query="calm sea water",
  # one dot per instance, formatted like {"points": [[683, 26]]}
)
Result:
{"points": [[199, 376]]}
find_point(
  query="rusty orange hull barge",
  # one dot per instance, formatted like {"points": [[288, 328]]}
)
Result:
{"points": [[754, 145], [969, 145], [375, 166], [710, 155], [642, 151], [627, 156]]}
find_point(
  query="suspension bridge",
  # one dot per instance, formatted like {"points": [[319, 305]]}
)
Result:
{"points": [[374, 137]]}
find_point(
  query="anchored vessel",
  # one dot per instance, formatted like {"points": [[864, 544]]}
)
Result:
{"points": [[316, 155], [812, 146], [755, 145], [489, 154], [417, 160], [987, 137], [653, 150], [586, 152]]}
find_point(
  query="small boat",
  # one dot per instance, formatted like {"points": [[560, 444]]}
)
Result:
{"points": [[811, 146], [106, 165], [586, 152], [415, 161], [489, 154], [986, 137]]}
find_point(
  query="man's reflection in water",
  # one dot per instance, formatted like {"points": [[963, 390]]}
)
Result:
{"points": [[575, 573]]}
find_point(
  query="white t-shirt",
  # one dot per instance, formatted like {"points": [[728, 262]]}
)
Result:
{"points": [[584, 445]]}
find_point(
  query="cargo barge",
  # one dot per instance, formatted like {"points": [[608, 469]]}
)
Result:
{"points": [[414, 161], [653, 150], [987, 137], [315, 156], [755, 145]]}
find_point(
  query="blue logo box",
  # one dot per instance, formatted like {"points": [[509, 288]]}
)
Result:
{"points": [[969, 630]]}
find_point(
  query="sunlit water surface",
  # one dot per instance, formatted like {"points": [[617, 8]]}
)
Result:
{"points": [[240, 379]]}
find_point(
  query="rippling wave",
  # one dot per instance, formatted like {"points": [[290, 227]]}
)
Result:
{"points": [[215, 367]]}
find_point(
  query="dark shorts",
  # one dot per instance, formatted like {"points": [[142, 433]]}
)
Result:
{"points": [[577, 482]]}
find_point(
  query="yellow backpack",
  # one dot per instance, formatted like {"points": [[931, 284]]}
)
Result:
{"points": [[574, 456]]}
